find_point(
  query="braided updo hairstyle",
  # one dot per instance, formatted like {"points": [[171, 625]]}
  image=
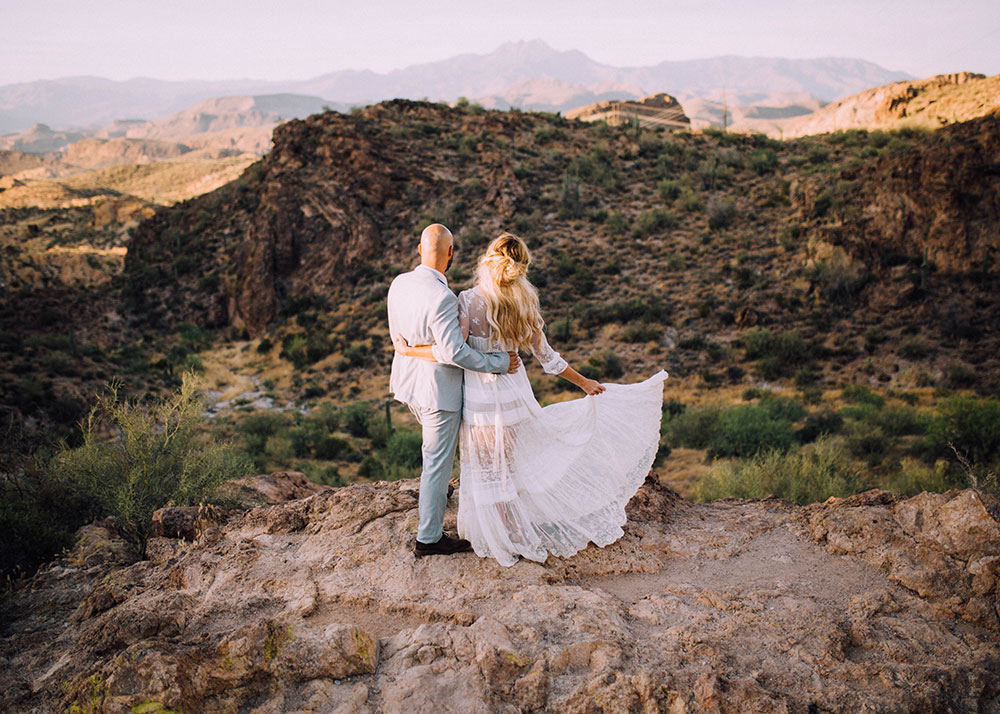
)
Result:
{"points": [[511, 301]]}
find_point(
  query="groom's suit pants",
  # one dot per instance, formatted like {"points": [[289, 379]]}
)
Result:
{"points": [[440, 433]]}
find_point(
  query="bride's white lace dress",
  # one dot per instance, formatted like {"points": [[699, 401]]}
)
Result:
{"points": [[538, 480]]}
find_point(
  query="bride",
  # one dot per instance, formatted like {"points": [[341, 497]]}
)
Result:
{"points": [[538, 480]]}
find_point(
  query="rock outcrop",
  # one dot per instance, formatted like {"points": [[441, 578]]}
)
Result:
{"points": [[942, 196], [929, 103], [659, 109], [871, 603]]}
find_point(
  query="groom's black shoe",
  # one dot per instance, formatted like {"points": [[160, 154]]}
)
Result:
{"points": [[446, 546]]}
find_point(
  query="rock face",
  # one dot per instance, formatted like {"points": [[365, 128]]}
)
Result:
{"points": [[930, 103], [943, 197], [336, 197], [655, 110], [871, 603]]}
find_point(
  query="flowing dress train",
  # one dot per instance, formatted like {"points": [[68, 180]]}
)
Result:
{"points": [[537, 480]]}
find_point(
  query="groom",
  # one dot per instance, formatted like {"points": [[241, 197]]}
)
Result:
{"points": [[424, 310]]}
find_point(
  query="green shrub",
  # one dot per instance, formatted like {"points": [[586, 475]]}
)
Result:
{"points": [[689, 201], [900, 421], [913, 477], [668, 189], [156, 457], [860, 394], [818, 423], [972, 425], [745, 429], [814, 473], [783, 407], [763, 161], [914, 348], [656, 220], [255, 429], [616, 224], [693, 428], [641, 332], [721, 212], [356, 419], [404, 449], [867, 441], [757, 342], [836, 281]]}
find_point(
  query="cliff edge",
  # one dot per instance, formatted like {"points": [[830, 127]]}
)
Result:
{"points": [[872, 603]]}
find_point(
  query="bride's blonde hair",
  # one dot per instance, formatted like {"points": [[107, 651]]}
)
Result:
{"points": [[511, 301]]}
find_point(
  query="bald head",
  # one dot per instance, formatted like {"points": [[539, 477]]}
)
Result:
{"points": [[436, 247]]}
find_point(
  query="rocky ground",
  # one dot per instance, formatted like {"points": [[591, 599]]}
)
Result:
{"points": [[872, 603]]}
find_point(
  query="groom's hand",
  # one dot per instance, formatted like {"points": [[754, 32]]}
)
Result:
{"points": [[515, 362]]}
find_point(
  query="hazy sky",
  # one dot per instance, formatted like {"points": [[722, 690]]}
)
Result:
{"points": [[299, 39]]}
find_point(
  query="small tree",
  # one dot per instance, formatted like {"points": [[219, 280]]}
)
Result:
{"points": [[156, 457]]}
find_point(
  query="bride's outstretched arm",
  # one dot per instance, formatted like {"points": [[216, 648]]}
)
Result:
{"points": [[553, 363]]}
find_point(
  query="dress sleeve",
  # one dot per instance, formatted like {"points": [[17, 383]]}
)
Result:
{"points": [[463, 313], [550, 360]]}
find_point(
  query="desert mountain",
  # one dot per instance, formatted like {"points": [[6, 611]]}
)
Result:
{"points": [[755, 113], [566, 79], [235, 123], [330, 214], [869, 603], [927, 103], [39, 139]]}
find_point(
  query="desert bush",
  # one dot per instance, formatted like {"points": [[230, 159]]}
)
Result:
{"points": [[327, 475], [641, 332], [783, 407], [653, 221], [688, 201], [668, 189], [616, 224], [756, 342], [721, 211], [825, 421], [356, 418], [813, 473], [866, 441], [157, 456], [403, 449], [712, 173], [913, 348], [255, 429], [913, 477], [971, 424], [763, 161], [745, 429], [959, 375], [836, 281], [899, 421], [607, 365], [860, 394], [692, 428], [779, 354]]}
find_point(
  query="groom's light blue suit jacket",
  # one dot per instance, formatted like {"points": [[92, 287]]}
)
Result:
{"points": [[424, 310]]}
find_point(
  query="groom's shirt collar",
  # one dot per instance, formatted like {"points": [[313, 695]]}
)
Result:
{"points": [[440, 276]]}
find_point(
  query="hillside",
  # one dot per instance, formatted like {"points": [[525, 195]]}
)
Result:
{"points": [[871, 603], [633, 233], [925, 104], [160, 181]]}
